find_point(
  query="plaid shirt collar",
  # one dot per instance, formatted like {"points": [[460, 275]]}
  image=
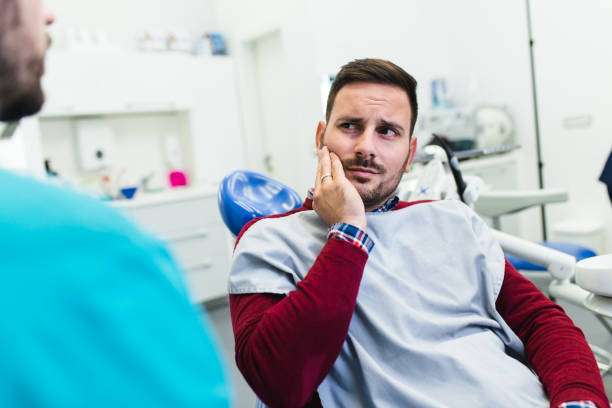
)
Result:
{"points": [[387, 206]]}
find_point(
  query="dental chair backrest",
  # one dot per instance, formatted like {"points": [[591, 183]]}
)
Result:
{"points": [[245, 195]]}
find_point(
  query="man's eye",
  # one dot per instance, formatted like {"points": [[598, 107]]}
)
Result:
{"points": [[348, 126], [388, 132]]}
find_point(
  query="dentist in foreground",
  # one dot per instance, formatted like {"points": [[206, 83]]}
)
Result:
{"points": [[94, 312]]}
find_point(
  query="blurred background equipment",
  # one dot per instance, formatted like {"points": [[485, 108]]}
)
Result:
{"points": [[469, 127], [606, 175]]}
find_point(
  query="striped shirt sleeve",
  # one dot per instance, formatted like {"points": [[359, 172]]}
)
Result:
{"points": [[351, 234], [578, 404]]}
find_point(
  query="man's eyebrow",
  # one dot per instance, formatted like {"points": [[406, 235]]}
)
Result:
{"points": [[350, 119], [382, 122], [392, 125]]}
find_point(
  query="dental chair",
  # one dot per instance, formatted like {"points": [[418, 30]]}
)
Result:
{"points": [[552, 266], [245, 195]]}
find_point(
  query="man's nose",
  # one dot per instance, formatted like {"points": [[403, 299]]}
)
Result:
{"points": [[366, 143], [49, 16]]}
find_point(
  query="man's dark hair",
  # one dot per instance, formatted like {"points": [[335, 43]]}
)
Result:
{"points": [[374, 71]]}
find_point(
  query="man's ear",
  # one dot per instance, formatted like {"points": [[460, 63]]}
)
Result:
{"points": [[320, 134], [413, 148]]}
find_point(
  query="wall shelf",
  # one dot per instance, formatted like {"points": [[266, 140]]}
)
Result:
{"points": [[142, 109]]}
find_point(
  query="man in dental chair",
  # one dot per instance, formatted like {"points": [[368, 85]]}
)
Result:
{"points": [[359, 300]]}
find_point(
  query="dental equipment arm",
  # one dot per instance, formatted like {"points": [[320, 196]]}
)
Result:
{"points": [[453, 164], [494, 203], [593, 275], [560, 265]]}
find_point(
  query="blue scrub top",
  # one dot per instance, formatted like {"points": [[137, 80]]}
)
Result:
{"points": [[94, 312]]}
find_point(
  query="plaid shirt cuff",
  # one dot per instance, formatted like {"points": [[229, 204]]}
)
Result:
{"points": [[352, 234], [578, 404]]}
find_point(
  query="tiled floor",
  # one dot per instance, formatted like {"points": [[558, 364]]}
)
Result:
{"points": [[220, 316], [244, 397]]}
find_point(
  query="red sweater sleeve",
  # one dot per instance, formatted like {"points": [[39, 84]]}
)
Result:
{"points": [[555, 347], [286, 345]]}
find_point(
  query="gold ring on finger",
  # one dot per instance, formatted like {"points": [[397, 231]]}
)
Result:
{"points": [[324, 176]]}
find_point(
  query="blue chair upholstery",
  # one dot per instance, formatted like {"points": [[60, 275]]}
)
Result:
{"points": [[244, 195], [577, 251]]}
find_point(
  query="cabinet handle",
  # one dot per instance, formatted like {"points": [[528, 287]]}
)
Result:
{"points": [[200, 265], [203, 233], [153, 107], [61, 110]]}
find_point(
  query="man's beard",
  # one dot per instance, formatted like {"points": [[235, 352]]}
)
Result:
{"points": [[21, 92], [19, 99], [377, 195]]}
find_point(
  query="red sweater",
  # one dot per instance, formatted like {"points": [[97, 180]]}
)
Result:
{"points": [[286, 345]]}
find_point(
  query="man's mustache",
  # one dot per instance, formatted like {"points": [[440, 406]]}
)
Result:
{"points": [[360, 161]]}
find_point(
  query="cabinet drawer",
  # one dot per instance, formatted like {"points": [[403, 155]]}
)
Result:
{"points": [[207, 279], [177, 217], [195, 246]]}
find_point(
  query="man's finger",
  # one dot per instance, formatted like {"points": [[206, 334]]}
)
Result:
{"points": [[337, 170], [325, 163], [318, 175]]}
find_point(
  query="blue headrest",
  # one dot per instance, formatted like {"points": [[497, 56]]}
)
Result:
{"points": [[577, 251], [245, 195]]}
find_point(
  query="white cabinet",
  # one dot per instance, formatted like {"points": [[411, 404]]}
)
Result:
{"points": [[79, 83], [188, 221]]}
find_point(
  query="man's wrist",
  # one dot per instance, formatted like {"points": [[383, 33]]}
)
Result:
{"points": [[352, 234]]}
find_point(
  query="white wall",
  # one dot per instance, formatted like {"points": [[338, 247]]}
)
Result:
{"points": [[489, 52], [125, 20], [22, 151], [410, 33]]}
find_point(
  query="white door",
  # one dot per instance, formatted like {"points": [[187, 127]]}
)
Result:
{"points": [[271, 75]]}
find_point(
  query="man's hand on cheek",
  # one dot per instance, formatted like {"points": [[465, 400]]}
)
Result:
{"points": [[335, 198]]}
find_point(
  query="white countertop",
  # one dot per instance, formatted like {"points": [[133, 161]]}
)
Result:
{"points": [[166, 196]]}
